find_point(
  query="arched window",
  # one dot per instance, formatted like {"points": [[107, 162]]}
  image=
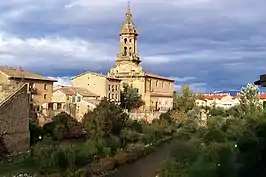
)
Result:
{"points": [[130, 40], [130, 51], [125, 51], [125, 40]]}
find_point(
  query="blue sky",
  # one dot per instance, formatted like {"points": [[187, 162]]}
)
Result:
{"points": [[208, 44]]}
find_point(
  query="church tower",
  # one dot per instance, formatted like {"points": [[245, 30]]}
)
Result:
{"points": [[127, 60], [128, 50]]}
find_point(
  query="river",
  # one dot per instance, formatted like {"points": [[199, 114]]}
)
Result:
{"points": [[146, 166]]}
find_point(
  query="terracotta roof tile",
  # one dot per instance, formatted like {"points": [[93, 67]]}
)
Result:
{"points": [[74, 90], [19, 73], [159, 77], [263, 96], [214, 96]]}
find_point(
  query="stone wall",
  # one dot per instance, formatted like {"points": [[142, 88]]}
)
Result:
{"points": [[148, 116], [14, 120]]}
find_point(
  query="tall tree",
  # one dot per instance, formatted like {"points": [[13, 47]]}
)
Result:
{"points": [[130, 98], [105, 120], [250, 105]]}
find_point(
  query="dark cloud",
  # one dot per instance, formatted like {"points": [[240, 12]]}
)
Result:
{"points": [[220, 43]]}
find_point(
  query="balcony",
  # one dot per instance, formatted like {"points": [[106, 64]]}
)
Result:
{"points": [[33, 90]]}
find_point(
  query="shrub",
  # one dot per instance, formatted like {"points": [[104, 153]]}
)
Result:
{"points": [[63, 127], [35, 132], [106, 119], [3, 149]]}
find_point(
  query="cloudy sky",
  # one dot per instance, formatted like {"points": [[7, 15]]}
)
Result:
{"points": [[209, 44]]}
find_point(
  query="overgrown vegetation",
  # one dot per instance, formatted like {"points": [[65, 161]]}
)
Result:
{"points": [[106, 136], [231, 143]]}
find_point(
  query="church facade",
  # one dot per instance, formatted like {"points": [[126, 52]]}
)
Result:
{"points": [[156, 91]]}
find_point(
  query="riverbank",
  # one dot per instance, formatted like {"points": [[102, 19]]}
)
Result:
{"points": [[111, 165], [106, 165]]}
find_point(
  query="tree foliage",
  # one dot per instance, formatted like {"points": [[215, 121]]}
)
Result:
{"points": [[130, 98], [63, 126], [232, 143], [105, 120]]}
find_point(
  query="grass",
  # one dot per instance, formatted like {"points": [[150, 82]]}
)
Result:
{"points": [[23, 166]]}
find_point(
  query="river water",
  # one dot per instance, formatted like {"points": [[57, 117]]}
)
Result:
{"points": [[146, 166]]}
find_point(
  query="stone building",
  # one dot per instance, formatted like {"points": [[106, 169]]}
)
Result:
{"points": [[156, 91], [75, 101], [14, 116], [39, 87], [99, 84]]}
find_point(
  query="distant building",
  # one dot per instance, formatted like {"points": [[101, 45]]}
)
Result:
{"points": [[217, 100], [156, 91], [99, 84], [225, 100], [14, 116], [39, 88]]}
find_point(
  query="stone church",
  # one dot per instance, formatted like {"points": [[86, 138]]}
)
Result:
{"points": [[156, 91]]}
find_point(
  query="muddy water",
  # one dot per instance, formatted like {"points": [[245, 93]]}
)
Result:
{"points": [[146, 166]]}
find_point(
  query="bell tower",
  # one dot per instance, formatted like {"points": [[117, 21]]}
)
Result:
{"points": [[128, 46]]}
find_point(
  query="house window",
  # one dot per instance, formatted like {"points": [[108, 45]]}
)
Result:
{"points": [[116, 96], [45, 96], [113, 88], [162, 84], [116, 87], [73, 99], [109, 87], [109, 96], [156, 83], [78, 98], [59, 106], [45, 87], [112, 96]]}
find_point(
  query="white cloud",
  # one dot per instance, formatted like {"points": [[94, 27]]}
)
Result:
{"points": [[58, 52], [183, 79], [65, 81], [196, 87]]}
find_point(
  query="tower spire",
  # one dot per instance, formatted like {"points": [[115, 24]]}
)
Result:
{"points": [[128, 13]]}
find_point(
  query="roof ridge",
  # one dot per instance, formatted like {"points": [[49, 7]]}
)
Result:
{"points": [[12, 94]]}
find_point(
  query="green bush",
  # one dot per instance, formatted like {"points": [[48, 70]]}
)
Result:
{"points": [[35, 132], [3, 149]]}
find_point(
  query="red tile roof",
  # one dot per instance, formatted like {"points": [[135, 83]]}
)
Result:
{"points": [[74, 90], [214, 96], [263, 96]]}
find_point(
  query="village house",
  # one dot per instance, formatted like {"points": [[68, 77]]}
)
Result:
{"points": [[224, 100], [75, 101], [217, 100], [156, 91], [39, 88], [100, 84]]}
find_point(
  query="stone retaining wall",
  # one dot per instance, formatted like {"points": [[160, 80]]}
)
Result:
{"points": [[14, 120]]}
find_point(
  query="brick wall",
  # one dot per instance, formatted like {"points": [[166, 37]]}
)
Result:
{"points": [[14, 120]]}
